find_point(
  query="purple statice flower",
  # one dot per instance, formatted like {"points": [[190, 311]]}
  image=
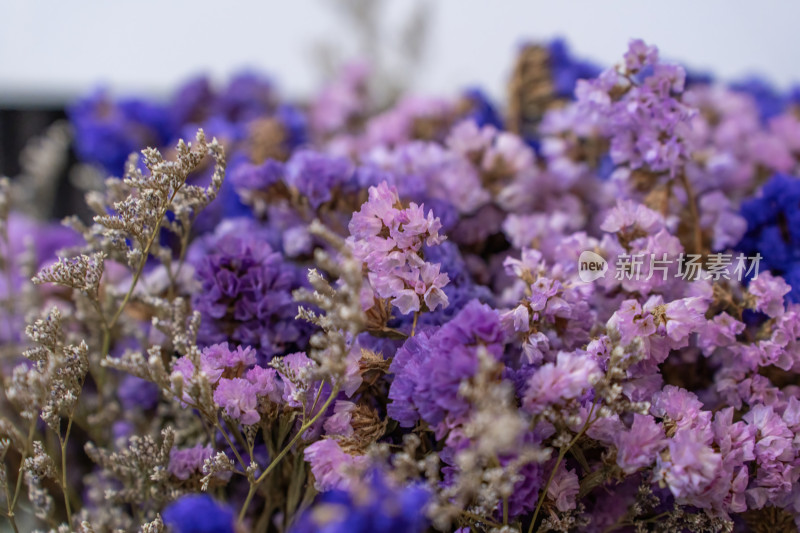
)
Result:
{"points": [[339, 422], [246, 295], [215, 361], [293, 366], [265, 383], [430, 367], [396, 126], [186, 462], [249, 179], [198, 513], [407, 366], [526, 490], [629, 217], [122, 430], [640, 55], [247, 96], [768, 100], [136, 393], [239, 399], [448, 255], [191, 101], [681, 408], [219, 358], [493, 151], [564, 487], [549, 311], [342, 101], [373, 505], [719, 218], [681, 318], [294, 123], [768, 292], [690, 469], [569, 377], [389, 239], [773, 437], [638, 447], [317, 176], [548, 231], [648, 125], [736, 442], [333, 468], [719, 332], [690, 377], [661, 326], [440, 173]]}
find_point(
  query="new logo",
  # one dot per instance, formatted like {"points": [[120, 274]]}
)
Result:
{"points": [[591, 266]]}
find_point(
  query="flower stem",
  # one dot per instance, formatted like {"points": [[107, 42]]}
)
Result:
{"points": [[561, 455], [692, 200], [284, 451], [136, 276], [63, 441]]}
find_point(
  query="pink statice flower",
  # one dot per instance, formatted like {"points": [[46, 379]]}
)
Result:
{"points": [[215, 360], [768, 292], [265, 383], [690, 468], [569, 377], [389, 240], [332, 466], [186, 462], [638, 447], [239, 398], [564, 488]]}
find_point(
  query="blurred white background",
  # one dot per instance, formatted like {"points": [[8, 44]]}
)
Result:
{"points": [[52, 51]]}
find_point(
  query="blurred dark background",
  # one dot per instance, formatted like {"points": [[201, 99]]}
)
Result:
{"points": [[17, 126]]}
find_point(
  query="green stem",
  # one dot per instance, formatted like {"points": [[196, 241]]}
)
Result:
{"points": [[481, 519], [18, 486], [10, 515], [284, 451], [231, 445], [173, 276], [693, 212], [560, 458], [136, 275], [12, 521], [64, 486]]}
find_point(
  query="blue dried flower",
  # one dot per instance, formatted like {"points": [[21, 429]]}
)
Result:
{"points": [[773, 229], [107, 132], [198, 513], [566, 70], [367, 509], [481, 109]]}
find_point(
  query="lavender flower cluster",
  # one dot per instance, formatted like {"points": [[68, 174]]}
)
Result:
{"points": [[340, 317]]}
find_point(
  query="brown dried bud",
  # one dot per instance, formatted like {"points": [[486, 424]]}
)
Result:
{"points": [[367, 429]]}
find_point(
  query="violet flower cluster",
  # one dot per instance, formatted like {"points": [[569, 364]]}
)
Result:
{"points": [[576, 310]]}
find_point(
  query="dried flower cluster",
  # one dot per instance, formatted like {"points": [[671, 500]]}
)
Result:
{"points": [[577, 313]]}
